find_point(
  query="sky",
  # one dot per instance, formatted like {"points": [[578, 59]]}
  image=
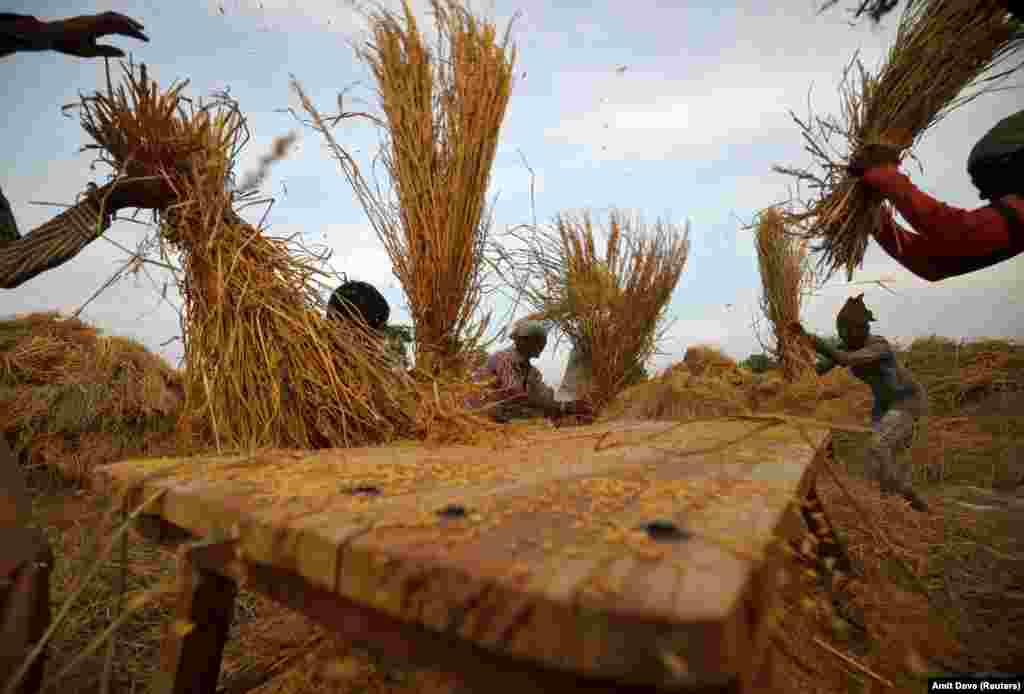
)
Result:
{"points": [[688, 131]]}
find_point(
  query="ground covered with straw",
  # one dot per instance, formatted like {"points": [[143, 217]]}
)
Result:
{"points": [[943, 591]]}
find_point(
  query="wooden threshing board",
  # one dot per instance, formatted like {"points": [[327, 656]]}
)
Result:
{"points": [[550, 565]]}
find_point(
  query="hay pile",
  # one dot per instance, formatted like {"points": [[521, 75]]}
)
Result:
{"points": [[958, 374], [441, 113], [705, 360], [943, 47], [74, 399], [708, 385], [264, 366], [786, 277]]}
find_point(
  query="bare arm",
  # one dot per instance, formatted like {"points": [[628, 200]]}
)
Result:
{"points": [[824, 366], [540, 395], [874, 351], [75, 36], [21, 32]]}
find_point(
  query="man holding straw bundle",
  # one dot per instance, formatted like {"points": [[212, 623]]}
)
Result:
{"points": [[950, 241], [519, 390], [63, 237], [27, 558], [899, 400]]}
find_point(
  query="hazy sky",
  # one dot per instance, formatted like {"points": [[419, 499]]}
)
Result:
{"points": [[689, 130]]}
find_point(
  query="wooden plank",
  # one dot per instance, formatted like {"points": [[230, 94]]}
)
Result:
{"points": [[194, 643], [549, 563], [15, 503], [477, 669], [25, 607]]}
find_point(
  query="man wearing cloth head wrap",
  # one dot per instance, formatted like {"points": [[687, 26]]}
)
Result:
{"points": [[519, 389], [899, 400]]}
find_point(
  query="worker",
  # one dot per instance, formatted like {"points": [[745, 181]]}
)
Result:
{"points": [[519, 390], [899, 400], [361, 301], [27, 558], [877, 9], [63, 237], [948, 241], [355, 300]]}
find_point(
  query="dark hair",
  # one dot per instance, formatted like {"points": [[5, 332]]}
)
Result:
{"points": [[369, 303], [996, 162], [997, 177]]}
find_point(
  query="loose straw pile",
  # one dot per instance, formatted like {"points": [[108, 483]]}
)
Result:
{"points": [[942, 47]]}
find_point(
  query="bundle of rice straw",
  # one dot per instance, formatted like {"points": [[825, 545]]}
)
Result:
{"points": [[942, 47], [442, 112], [611, 307], [786, 277], [264, 365]]}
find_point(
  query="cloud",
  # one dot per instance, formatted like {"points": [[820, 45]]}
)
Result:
{"points": [[739, 94], [359, 254], [337, 15]]}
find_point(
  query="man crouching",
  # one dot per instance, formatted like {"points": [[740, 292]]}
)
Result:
{"points": [[518, 390]]}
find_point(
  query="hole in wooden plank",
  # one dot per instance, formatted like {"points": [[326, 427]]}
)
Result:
{"points": [[363, 490], [664, 530], [453, 511]]}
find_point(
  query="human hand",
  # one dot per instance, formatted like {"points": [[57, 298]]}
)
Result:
{"points": [[77, 35], [580, 409], [872, 156], [144, 192]]}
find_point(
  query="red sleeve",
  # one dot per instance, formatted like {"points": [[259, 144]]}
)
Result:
{"points": [[945, 234], [19, 32]]}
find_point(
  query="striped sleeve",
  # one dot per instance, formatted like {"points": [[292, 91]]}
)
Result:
{"points": [[52, 244]]}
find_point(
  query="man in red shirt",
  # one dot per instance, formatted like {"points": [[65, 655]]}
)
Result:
{"points": [[877, 9], [948, 241]]}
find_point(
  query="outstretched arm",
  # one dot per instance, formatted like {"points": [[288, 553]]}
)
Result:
{"points": [[75, 36], [948, 241], [52, 244], [63, 237]]}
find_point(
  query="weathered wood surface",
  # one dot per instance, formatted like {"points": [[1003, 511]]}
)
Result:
{"points": [[550, 562]]}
